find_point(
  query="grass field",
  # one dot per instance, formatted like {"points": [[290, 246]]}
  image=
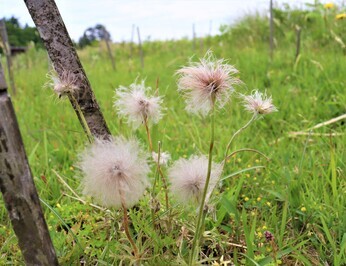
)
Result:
{"points": [[299, 196]]}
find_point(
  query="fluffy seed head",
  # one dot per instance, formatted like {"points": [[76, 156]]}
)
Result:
{"points": [[134, 104], [188, 176], [259, 103], [65, 84], [207, 80], [114, 172], [164, 157]]}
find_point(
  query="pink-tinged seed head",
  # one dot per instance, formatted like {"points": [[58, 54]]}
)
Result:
{"points": [[206, 80], [136, 106], [259, 103]]}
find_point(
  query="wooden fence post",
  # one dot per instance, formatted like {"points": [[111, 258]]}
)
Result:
{"points": [[54, 35], [140, 48], [271, 28], [18, 189], [131, 43], [107, 39], [193, 37], [7, 50]]}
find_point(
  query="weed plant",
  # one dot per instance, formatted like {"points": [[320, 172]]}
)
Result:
{"points": [[288, 210]]}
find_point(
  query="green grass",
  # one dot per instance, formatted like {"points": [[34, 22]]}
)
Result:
{"points": [[299, 196]]}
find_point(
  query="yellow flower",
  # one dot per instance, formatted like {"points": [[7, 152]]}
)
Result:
{"points": [[303, 209], [340, 16], [329, 5], [246, 199], [259, 199], [268, 204]]}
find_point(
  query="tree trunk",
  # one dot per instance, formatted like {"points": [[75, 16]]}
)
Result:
{"points": [[18, 189], [51, 27]]}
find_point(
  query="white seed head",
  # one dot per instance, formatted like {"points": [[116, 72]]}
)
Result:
{"points": [[188, 177], [259, 103], [164, 157], [134, 104], [114, 172], [65, 84], [206, 80]]}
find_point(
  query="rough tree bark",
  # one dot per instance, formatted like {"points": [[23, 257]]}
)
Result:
{"points": [[7, 50], [57, 41], [18, 189]]}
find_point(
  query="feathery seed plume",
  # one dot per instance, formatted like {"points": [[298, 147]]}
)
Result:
{"points": [[134, 104], [164, 157], [259, 103], [188, 176], [65, 84], [115, 172], [202, 81]]}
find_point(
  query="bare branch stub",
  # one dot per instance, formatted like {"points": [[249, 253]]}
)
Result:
{"points": [[57, 41], [18, 189]]}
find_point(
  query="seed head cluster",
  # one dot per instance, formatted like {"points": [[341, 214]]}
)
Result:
{"points": [[188, 177], [115, 172], [164, 157], [207, 82], [259, 103], [66, 84], [134, 104]]}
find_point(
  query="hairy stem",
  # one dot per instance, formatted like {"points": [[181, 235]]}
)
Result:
{"points": [[164, 181], [81, 118], [202, 210], [233, 137], [126, 226], [247, 149], [148, 134]]}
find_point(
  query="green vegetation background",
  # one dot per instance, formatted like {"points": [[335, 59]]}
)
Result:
{"points": [[299, 196]]}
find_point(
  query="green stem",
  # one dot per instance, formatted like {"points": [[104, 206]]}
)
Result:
{"points": [[236, 134], [153, 194], [127, 231], [247, 149], [200, 221], [82, 118]]}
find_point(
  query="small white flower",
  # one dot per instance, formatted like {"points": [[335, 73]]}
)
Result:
{"points": [[188, 176], [259, 103], [64, 85], [207, 80], [115, 172], [164, 157], [134, 104]]}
